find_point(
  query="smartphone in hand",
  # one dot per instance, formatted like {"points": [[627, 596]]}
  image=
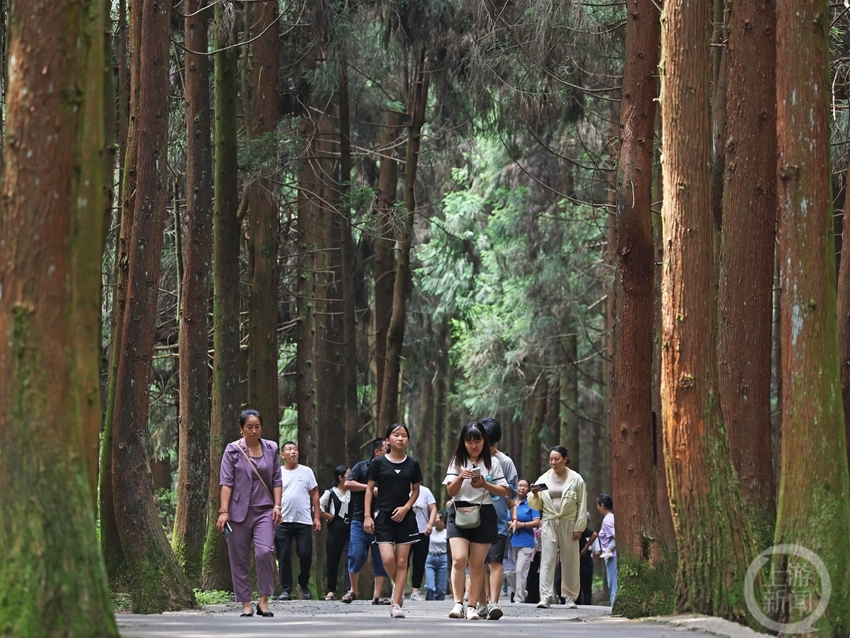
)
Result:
{"points": [[540, 487], [477, 472], [228, 530]]}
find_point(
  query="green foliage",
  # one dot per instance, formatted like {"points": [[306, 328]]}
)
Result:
{"points": [[122, 603], [509, 268], [166, 501], [213, 597]]}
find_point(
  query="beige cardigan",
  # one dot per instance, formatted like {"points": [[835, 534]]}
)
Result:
{"points": [[573, 502]]}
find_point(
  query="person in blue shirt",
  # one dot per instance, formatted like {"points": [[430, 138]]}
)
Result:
{"points": [[522, 541]]}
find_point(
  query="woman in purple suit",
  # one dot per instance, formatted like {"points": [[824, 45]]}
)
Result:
{"points": [[250, 510]]}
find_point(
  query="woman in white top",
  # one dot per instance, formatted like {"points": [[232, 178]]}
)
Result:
{"points": [[472, 479], [334, 508], [436, 566], [562, 504]]}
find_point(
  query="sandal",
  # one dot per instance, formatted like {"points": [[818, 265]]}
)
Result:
{"points": [[330, 596], [381, 601], [349, 596]]}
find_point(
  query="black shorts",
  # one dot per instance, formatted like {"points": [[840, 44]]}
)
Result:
{"points": [[388, 531], [486, 533], [497, 550]]}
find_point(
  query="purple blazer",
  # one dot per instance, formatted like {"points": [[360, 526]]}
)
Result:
{"points": [[236, 472]]}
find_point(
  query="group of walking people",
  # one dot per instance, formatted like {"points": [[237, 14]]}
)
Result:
{"points": [[380, 507]]}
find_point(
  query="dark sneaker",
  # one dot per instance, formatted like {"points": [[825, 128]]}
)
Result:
{"points": [[285, 595], [306, 594]]}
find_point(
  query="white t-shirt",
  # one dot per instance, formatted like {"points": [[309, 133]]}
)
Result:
{"points": [[329, 506], [476, 495], [438, 542], [295, 500], [421, 507]]}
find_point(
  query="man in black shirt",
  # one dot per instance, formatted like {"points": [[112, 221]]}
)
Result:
{"points": [[360, 542]]}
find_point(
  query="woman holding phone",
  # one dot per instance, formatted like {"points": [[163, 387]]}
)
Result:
{"points": [[250, 509], [560, 497], [472, 479]]}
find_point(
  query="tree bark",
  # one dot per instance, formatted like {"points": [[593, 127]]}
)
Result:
{"points": [[49, 555], [568, 394], [417, 100], [146, 549], [385, 268], [714, 541], [264, 230], [193, 469], [330, 370], [814, 447], [349, 301], [226, 400], [309, 183], [746, 256], [647, 586], [110, 541]]}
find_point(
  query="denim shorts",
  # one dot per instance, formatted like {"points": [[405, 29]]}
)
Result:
{"points": [[359, 545]]}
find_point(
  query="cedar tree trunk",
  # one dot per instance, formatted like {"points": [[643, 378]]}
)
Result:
{"points": [[224, 420], [417, 101], [49, 557], [746, 256], [384, 272], [264, 231], [193, 465], [714, 542], [154, 579], [814, 497], [647, 585]]}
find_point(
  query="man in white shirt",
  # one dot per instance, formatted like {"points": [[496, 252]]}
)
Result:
{"points": [[299, 519]]}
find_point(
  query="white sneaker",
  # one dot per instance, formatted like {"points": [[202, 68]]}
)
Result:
{"points": [[415, 596], [570, 603], [494, 612], [543, 604], [472, 613], [482, 611], [396, 612], [457, 611]]}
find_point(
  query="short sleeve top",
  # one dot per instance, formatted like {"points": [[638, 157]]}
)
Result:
{"points": [[476, 495]]}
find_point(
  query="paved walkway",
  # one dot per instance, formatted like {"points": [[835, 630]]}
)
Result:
{"points": [[320, 619]]}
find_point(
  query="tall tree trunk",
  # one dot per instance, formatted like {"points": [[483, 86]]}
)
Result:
{"points": [[330, 372], [746, 256], [417, 100], [444, 434], [714, 541], [94, 158], [154, 579], [814, 446], [647, 586], [225, 386], [110, 541], [349, 318], [193, 469], [309, 183], [53, 181], [660, 464], [385, 268], [568, 434], [844, 318], [264, 233]]}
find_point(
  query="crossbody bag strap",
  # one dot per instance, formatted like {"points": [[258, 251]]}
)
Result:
{"points": [[256, 471]]}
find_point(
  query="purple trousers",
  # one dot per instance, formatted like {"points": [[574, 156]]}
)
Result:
{"points": [[256, 527]]}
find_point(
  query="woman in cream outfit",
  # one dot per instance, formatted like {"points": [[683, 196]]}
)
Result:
{"points": [[563, 515]]}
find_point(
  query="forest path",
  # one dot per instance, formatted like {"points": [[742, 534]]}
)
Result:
{"points": [[320, 619]]}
